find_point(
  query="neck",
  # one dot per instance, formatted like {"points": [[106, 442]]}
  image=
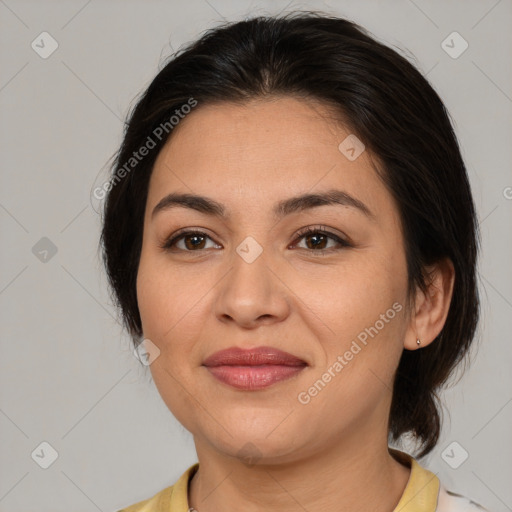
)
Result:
{"points": [[343, 478]]}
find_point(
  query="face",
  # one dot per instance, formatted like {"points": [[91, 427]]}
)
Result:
{"points": [[334, 298]]}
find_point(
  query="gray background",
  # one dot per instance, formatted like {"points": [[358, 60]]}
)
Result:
{"points": [[67, 374]]}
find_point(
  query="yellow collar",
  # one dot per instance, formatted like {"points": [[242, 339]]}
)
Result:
{"points": [[422, 489], [420, 494]]}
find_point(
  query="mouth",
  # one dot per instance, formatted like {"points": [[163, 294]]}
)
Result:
{"points": [[253, 369]]}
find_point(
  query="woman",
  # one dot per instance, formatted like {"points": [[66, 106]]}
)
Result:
{"points": [[290, 234]]}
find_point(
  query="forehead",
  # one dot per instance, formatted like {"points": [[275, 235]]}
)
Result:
{"points": [[262, 151]]}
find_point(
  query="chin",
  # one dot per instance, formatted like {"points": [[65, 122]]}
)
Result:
{"points": [[254, 452], [255, 446]]}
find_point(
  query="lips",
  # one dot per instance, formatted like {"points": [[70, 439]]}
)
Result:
{"points": [[252, 357], [253, 369]]}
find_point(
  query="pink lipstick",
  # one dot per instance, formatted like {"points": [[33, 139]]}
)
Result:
{"points": [[253, 369]]}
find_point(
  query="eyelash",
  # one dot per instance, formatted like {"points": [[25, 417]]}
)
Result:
{"points": [[170, 242]]}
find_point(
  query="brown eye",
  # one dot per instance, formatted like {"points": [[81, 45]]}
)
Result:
{"points": [[192, 241], [317, 240]]}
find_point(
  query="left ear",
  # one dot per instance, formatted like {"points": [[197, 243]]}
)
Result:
{"points": [[431, 309]]}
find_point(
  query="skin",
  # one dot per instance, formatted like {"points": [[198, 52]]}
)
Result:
{"points": [[331, 453]]}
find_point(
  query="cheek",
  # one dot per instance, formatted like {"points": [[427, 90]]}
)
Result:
{"points": [[169, 320], [351, 296], [157, 295], [171, 304], [153, 299], [360, 314]]}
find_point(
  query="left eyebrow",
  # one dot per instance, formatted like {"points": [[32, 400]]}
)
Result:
{"points": [[330, 197], [285, 207]]}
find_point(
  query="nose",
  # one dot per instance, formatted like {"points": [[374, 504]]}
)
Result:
{"points": [[252, 293]]}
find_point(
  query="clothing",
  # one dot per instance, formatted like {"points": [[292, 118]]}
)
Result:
{"points": [[423, 493]]}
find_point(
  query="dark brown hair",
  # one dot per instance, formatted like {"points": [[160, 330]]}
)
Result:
{"points": [[391, 108]]}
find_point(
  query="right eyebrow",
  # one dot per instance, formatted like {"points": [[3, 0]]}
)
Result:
{"points": [[201, 204]]}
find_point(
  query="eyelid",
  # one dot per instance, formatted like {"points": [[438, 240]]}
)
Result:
{"points": [[170, 241], [343, 241]]}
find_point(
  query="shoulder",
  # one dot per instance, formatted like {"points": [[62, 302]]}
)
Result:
{"points": [[159, 502], [449, 501]]}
